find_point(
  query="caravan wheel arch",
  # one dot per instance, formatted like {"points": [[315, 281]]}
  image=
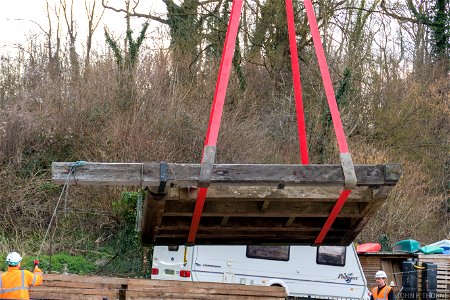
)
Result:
{"points": [[278, 282]]}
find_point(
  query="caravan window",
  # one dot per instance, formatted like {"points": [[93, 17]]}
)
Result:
{"points": [[331, 255], [268, 252]]}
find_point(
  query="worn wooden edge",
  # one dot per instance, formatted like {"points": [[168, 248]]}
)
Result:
{"points": [[252, 209], [261, 193], [148, 174], [307, 241]]}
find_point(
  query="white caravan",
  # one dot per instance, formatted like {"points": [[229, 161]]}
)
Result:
{"points": [[326, 272]]}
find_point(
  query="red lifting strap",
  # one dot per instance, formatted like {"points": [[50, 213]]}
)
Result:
{"points": [[219, 99], [217, 107], [340, 135], [297, 84]]}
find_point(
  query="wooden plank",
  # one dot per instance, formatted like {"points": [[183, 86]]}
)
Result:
{"points": [[62, 292], [314, 193], [249, 240], [271, 224], [85, 279], [70, 287], [252, 209], [147, 174], [83, 285], [227, 290], [230, 230], [136, 283], [73, 296], [173, 296]]}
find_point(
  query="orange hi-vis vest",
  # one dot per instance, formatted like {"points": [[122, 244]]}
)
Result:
{"points": [[381, 294], [15, 283]]}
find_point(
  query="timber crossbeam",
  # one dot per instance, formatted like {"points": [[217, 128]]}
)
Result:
{"points": [[187, 175]]}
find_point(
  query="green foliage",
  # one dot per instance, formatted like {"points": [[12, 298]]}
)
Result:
{"points": [[125, 208], [344, 88], [129, 253], [126, 63], [385, 243], [131, 57], [64, 262], [135, 45], [114, 47], [184, 25], [59, 263]]}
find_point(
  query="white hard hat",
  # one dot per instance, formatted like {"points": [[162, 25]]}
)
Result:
{"points": [[380, 274], [13, 259]]}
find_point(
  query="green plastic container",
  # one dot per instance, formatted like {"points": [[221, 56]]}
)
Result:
{"points": [[409, 246], [431, 250]]}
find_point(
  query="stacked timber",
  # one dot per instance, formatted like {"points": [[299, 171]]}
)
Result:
{"points": [[443, 273], [107, 288], [79, 287]]}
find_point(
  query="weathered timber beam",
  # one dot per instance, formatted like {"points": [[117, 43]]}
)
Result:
{"points": [[231, 230], [279, 235], [263, 215], [261, 193], [305, 209], [294, 239], [182, 175], [244, 222]]}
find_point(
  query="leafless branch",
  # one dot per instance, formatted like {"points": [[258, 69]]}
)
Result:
{"points": [[136, 14], [394, 15]]}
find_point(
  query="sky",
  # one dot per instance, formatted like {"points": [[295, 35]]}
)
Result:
{"points": [[19, 20]]}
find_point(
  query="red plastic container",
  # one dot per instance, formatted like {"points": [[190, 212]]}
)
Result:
{"points": [[368, 247]]}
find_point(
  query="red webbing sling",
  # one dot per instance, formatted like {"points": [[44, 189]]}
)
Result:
{"points": [[219, 98], [297, 84], [217, 107], [340, 135]]}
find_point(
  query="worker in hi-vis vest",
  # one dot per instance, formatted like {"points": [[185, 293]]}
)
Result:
{"points": [[15, 283], [382, 291]]}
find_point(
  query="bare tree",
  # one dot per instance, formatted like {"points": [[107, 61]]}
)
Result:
{"points": [[127, 58], [435, 16], [71, 30], [53, 55], [93, 22], [185, 25]]}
